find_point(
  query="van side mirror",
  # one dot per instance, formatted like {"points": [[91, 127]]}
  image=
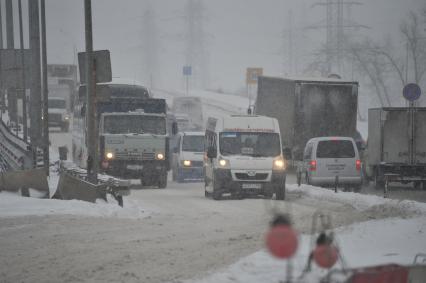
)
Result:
{"points": [[287, 153], [174, 128], [211, 152]]}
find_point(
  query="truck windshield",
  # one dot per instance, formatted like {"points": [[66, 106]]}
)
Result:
{"points": [[252, 144], [193, 143], [134, 124], [56, 103], [335, 149]]}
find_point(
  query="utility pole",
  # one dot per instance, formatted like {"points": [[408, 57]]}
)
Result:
{"points": [[2, 96], [92, 142], [46, 161], [150, 45], [35, 94], [336, 24], [11, 93], [196, 53], [24, 95]]}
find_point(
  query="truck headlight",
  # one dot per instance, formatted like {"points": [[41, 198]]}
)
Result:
{"points": [[109, 155], [187, 163], [160, 156], [223, 163], [279, 164], [66, 118]]}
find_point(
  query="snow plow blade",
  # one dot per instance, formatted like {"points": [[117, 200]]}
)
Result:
{"points": [[70, 187], [13, 181]]}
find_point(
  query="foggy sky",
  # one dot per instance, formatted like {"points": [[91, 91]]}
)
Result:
{"points": [[240, 34]]}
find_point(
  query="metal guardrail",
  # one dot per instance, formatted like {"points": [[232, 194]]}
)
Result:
{"points": [[16, 153]]}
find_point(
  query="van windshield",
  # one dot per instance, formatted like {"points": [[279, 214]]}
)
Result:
{"points": [[335, 149], [193, 143], [252, 144]]}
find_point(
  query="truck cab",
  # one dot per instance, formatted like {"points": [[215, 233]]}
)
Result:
{"points": [[243, 156], [135, 145], [58, 113]]}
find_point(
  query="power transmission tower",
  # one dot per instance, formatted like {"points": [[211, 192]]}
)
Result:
{"points": [[336, 25], [195, 49], [150, 45]]}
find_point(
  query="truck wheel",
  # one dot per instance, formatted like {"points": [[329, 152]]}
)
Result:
{"points": [[424, 185], [357, 189], [379, 183], [162, 182], [280, 193]]}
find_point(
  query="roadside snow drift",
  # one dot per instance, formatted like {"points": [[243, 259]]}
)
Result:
{"points": [[363, 244], [14, 205]]}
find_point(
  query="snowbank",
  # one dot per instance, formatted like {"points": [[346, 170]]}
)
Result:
{"points": [[369, 243], [361, 202], [14, 205]]}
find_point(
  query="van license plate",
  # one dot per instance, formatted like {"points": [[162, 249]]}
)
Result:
{"points": [[252, 186]]}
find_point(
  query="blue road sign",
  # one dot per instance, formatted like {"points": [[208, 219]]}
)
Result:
{"points": [[187, 70], [411, 92]]}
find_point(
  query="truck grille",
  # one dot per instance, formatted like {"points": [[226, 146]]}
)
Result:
{"points": [[148, 155], [257, 176], [55, 117]]}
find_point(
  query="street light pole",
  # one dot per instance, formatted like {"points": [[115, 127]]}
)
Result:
{"points": [[92, 148], [46, 161]]}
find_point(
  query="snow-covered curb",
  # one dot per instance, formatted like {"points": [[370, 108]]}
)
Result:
{"points": [[14, 205], [362, 244], [358, 201]]}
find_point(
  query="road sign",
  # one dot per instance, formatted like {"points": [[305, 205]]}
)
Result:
{"points": [[411, 92], [187, 70], [102, 64], [252, 74], [11, 68]]}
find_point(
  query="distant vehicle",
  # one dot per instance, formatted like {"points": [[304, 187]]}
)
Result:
{"points": [[58, 113], [308, 108], [396, 150], [133, 137], [244, 156], [184, 123], [330, 159], [188, 157], [192, 107]]}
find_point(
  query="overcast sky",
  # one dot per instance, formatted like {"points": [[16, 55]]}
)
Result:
{"points": [[239, 34]]}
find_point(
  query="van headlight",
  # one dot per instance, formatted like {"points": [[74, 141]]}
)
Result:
{"points": [[279, 164], [186, 163], [159, 156], [109, 155], [223, 163], [67, 117]]}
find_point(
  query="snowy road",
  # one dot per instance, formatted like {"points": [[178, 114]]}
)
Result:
{"points": [[185, 236]]}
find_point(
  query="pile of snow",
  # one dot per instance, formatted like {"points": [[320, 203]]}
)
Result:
{"points": [[361, 202], [14, 205], [363, 244]]}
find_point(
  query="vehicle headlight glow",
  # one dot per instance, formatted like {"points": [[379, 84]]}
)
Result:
{"points": [[187, 163], [279, 164], [109, 155], [66, 118], [160, 156], [223, 162]]}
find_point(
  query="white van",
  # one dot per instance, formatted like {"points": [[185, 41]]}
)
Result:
{"points": [[187, 164], [330, 159], [243, 155]]}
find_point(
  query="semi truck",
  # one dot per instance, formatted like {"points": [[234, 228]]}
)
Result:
{"points": [[308, 107], [396, 147], [133, 136]]}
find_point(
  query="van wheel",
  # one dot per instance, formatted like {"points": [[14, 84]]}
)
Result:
{"points": [[217, 194], [299, 178]]}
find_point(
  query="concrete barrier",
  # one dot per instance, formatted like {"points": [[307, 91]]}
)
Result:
{"points": [[22, 180], [70, 187]]}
